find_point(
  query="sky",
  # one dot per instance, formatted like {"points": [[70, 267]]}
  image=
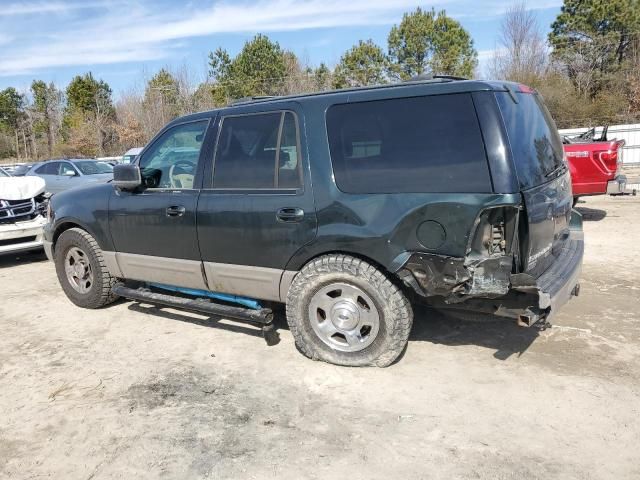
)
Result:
{"points": [[125, 41]]}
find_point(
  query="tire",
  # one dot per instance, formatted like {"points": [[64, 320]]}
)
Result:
{"points": [[332, 305], [575, 202], [85, 280]]}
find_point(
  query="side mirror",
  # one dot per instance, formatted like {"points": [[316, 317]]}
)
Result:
{"points": [[68, 173], [127, 176]]}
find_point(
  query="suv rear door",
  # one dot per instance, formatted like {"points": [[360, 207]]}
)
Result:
{"points": [[256, 209], [543, 177]]}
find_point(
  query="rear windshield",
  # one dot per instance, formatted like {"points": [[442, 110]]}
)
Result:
{"points": [[419, 144], [533, 136], [93, 168]]}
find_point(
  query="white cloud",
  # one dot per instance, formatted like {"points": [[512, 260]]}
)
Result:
{"points": [[32, 8], [143, 33], [142, 30], [494, 8], [5, 39]]}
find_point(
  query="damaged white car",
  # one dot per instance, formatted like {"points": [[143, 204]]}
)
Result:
{"points": [[23, 207]]}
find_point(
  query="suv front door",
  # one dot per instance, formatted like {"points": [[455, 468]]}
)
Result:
{"points": [[154, 229], [256, 209]]}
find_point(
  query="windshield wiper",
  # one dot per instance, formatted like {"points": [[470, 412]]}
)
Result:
{"points": [[560, 168]]}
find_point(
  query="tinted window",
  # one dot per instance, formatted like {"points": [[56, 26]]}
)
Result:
{"points": [[171, 160], [49, 168], [3, 173], [93, 168], [534, 139], [247, 152], [421, 144]]}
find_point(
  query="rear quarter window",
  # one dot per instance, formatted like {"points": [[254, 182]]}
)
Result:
{"points": [[535, 143], [418, 144]]}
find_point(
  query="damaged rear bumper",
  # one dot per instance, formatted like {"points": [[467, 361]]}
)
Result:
{"points": [[488, 285]]}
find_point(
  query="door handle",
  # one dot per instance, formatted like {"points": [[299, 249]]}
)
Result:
{"points": [[175, 211], [290, 214]]}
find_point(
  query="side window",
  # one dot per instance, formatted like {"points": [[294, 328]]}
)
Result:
{"points": [[64, 168], [49, 168], [258, 151], [172, 159], [408, 145]]}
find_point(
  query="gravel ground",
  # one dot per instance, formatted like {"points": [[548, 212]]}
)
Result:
{"points": [[133, 391]]}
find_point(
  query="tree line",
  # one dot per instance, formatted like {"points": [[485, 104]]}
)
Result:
{"points": [[588, 70]]}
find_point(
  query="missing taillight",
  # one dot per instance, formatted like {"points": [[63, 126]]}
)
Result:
{"points": [[494, 232], [498, 241]]}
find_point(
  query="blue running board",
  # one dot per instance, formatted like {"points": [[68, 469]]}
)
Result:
{"points": [[244, 301]]}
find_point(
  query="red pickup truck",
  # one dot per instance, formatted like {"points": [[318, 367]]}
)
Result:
{"points": [[594, 164]]}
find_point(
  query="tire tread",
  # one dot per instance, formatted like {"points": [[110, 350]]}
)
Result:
{"points": [[105, 296], [341, 263]]}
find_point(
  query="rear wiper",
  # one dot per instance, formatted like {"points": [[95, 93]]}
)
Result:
{"points": [[560, 168]]}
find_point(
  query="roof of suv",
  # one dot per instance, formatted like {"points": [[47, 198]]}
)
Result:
{"points": [[436, 85]]}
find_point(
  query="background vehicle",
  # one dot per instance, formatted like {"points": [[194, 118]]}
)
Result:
{"points": [[594, 164], [21, 170], [60, 175], [22, 213], [131, 154], [222, 204]]}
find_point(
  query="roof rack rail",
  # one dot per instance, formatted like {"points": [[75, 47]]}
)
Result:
{"points": [[429, 77], [256, 98]]}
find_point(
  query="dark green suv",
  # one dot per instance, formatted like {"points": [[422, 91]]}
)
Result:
{"points": [[343, 205]]}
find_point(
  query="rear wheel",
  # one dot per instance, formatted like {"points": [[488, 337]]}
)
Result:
{"points": [[81, 270], [344, 311]]}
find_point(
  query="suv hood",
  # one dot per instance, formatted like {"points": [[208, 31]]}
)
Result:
{"points": [[21, 188]]}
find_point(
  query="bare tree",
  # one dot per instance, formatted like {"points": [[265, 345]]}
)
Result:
{"points": [[522, 55]]}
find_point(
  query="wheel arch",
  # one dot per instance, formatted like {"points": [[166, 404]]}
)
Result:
{"points": [[67, 224], [287, 280]]}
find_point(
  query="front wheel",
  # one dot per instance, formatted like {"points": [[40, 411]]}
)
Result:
{"points": [[81, 270], [344, 311]]}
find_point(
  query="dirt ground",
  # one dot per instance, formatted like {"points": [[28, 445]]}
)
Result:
{"points": [[137, 392]]}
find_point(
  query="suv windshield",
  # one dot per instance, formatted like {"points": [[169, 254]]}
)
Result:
{"points": [[535, 142], [93, 168]]}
